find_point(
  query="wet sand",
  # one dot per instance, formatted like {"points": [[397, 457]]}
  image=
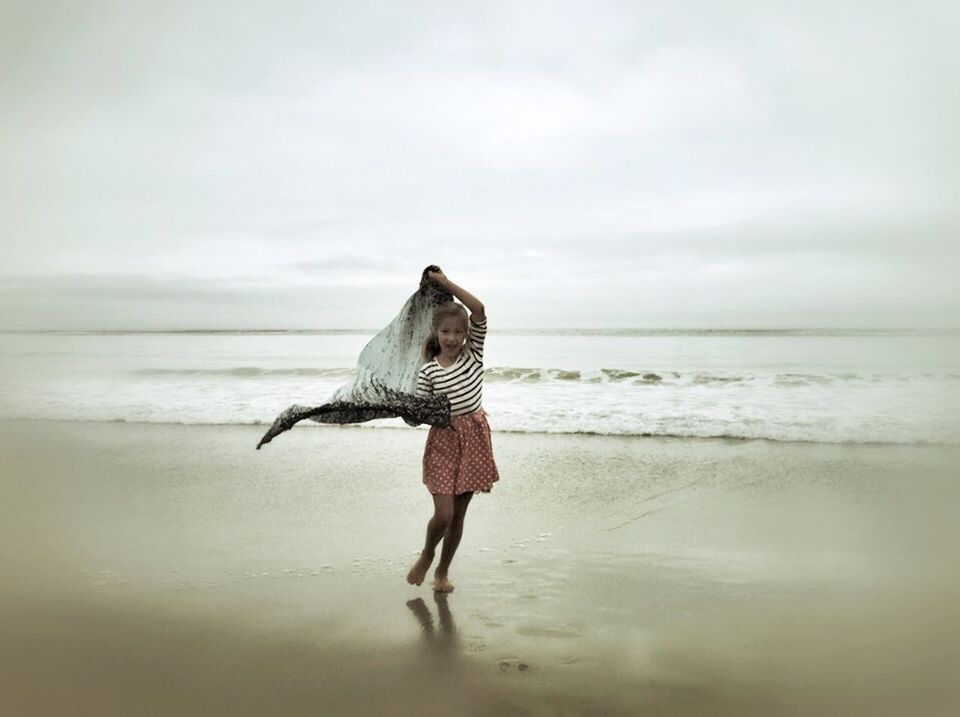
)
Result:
{"points": [[166, 569]]}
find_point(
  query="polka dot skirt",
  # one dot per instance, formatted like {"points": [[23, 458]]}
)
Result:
{"points": [[459, 458]]}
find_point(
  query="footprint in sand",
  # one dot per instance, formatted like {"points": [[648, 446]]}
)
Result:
{"points": [[507, 663]]}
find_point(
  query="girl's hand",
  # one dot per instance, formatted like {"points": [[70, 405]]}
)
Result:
{"points": [[439, 277]]}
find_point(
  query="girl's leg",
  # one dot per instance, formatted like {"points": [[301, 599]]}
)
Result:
{"points": [[443, 513], [454, 532]]}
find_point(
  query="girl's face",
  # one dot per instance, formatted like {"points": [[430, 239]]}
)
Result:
{"points": [[451, 334]]}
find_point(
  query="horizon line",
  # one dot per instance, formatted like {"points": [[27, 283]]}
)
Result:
{"points": [[555, 329]]}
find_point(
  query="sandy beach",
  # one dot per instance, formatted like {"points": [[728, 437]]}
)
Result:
{"points": [[172, 569]]}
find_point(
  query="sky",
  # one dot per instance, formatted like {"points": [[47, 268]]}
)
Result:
{"points": [[183, 165]]}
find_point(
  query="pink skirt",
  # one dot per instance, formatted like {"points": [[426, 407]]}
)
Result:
{"points": [[459, 458]]}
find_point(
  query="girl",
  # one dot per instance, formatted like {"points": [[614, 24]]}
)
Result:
{"points": [[457, 460]]}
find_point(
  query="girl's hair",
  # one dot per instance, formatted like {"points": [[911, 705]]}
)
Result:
{"points": [[450, 309]]}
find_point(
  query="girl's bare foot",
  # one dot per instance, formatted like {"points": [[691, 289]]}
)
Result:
{"points": [[419, 569], [441, 584]]}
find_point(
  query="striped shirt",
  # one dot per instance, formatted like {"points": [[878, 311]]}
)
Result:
{"points": [[462, 382]]}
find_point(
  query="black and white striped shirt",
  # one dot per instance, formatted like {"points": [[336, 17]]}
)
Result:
{"points": [[462, 382]]}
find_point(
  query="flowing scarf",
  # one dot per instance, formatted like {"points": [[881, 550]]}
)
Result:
{"points": [[386, 378]]}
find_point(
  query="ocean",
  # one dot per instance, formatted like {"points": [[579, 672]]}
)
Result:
{"points": [[830, 386]]}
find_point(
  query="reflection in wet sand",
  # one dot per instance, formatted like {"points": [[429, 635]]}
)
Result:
{"points": [[444, 643]]}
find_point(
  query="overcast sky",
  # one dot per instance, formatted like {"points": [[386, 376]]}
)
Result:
{"points": [[649, 164]]}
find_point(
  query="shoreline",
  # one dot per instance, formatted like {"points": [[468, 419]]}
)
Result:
{"points": [[588, 434]]}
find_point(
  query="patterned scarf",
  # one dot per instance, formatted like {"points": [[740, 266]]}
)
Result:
{"points": [[386, 379]]}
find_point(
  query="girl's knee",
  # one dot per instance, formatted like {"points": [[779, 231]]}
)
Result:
{"points": [[443, 510]]}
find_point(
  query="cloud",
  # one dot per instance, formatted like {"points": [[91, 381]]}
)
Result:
{"points": [[141, 302], [226, 151]]}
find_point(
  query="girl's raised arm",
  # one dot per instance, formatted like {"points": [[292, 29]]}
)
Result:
{"points": [[477, 313]]}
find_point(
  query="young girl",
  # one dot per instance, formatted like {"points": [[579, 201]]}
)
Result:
{"points": [[457, 460]]}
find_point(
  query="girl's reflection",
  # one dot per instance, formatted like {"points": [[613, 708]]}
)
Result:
{"points": [[445, 643]]}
